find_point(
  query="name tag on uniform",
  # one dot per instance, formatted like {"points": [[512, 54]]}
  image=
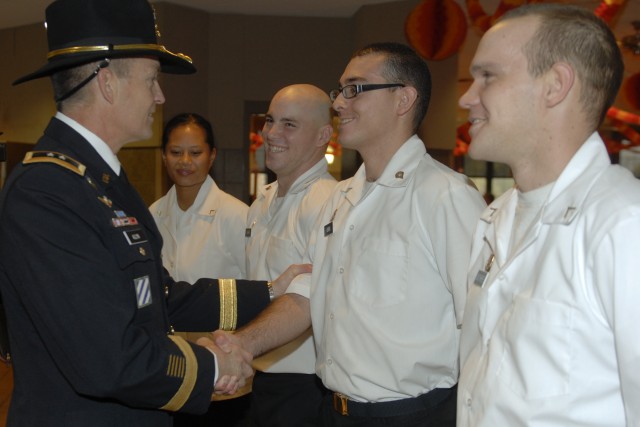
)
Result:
{"points": [[328, 229], [481, 276], [247, 231], [135, 237]]}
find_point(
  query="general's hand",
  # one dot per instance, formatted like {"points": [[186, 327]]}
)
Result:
{"points": [[234, 365], [281, 284]]}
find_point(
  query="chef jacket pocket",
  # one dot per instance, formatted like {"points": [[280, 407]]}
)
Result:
{"points": [[379, 272], [281, 253], [537, 358]]}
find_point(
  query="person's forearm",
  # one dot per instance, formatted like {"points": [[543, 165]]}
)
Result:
{"points": [[283, 321]]}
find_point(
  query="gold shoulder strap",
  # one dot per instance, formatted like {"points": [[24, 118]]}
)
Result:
{"points": [[56, 158]]}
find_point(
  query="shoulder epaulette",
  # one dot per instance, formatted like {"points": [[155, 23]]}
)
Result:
{"points": [[56, 158]]}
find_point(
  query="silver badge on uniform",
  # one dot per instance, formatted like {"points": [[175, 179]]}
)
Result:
{"points": [[143, 291], [134, 237]]}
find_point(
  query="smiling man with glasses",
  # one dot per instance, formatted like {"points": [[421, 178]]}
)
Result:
{"points": [[351, 91], [390, 256]]}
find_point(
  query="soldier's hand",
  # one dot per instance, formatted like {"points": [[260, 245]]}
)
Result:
{"points": [[281, 284]]}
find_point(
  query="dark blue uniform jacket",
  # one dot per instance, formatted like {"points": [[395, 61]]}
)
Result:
{"points": [[89, 305]]}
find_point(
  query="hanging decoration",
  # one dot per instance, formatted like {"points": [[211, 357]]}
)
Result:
{"points": [[483, 21], [608, 9], [623, 122], [436, 29]]}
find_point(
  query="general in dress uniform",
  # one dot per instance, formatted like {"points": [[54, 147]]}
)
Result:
{"points": [[90, 308]]}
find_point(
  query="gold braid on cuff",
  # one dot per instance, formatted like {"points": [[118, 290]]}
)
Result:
{"points": [[190, 375], [228, 304]]}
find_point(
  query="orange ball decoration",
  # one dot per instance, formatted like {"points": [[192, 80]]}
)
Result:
{"points": [[632, 90], [436, 29]]}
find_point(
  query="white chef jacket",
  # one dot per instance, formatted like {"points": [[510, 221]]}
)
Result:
{"points": [[551, 339], [277, 236], [389, 265], [207, 240]]}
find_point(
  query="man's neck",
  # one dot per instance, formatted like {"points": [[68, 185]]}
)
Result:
{"points": [[376, 158]]}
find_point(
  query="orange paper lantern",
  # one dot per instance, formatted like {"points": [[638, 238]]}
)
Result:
{"points": [[436, 28]]}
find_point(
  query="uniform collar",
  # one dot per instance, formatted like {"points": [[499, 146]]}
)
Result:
{"points": [[96, 142], [299, 185], [564, 203], [397, 173], [570, 189], [204, 204]]}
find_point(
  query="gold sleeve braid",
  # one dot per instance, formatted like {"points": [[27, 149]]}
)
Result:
{"points": [[186, 367], [228, 304]]}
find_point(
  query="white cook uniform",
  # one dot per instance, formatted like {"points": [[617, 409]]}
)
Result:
{"points": [[206, 240], [389, 265], [552, 338], [277, 236]]}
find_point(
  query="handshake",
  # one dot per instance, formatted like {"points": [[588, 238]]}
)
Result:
{"points": [[234, 363], [235, 352]]}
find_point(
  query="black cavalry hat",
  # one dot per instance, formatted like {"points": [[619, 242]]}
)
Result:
{"points": [[84, 31]]}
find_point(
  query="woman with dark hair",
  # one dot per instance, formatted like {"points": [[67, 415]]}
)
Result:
{"points": [[201, 225]]}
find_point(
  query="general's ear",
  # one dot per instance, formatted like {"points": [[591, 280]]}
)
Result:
{"points": [[107, 84], [560, 79]]}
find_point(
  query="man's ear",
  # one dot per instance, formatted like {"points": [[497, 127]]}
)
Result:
{"points": [[408, 96], [560, 79], [324, 135], [107, 84]]}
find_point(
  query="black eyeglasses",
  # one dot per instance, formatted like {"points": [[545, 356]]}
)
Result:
{"points": [[350, 91]]}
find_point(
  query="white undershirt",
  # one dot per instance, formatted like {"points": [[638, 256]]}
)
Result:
{"points": [[529, 205]]}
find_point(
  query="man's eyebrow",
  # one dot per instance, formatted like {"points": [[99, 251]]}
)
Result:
{"points": [[481, 66], [353, 80]]}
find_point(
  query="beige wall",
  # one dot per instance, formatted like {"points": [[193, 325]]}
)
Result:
{"points": [[241, 60]]}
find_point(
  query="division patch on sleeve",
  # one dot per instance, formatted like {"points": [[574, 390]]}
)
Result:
{"points": [[143, 291]]}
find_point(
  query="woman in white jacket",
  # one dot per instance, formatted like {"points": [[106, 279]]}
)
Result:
{"points": [[201, 225]]}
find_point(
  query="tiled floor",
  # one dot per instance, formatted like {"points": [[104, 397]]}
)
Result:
{"points": [[6, 384]]}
